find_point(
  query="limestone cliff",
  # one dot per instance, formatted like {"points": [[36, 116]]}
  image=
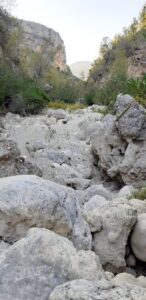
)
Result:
{"points": [[24, 41], [40, 38]]}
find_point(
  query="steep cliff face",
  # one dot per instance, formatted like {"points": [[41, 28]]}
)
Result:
{"points": [[39, 38]]}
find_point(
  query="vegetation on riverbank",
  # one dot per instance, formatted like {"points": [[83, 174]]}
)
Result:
{"points": [[22, 92]]}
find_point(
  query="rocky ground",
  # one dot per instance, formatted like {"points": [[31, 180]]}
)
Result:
{"points": [[68, 230]]}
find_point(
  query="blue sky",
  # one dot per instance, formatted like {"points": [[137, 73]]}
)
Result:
{"points": [[81, 23]]}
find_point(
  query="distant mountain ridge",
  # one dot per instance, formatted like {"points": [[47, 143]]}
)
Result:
{"points": [[81, 69]]}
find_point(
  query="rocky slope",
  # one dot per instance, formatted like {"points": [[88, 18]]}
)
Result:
{"points": [[66, 232]]}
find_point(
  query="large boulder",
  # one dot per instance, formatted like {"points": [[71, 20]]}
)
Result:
{"points": [[130, 116], [27, 201], [138, 239], [120, 142], [108, 146], [122, 102], [133, 166], [35, 265], [85, 290], [113, 222]]}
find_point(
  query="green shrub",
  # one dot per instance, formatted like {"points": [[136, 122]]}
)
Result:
{"points": [[107, 93], [90, 96], [35, 98], [66, 88], [13, 85], [137, 89]]}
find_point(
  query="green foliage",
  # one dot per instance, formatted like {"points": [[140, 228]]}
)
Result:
{"points": [[114, 53], [120, 64], [106, 93], [108, 74], [65, 87], [35, 98], [12, 85], [34, 63], [137, 88], [90, 96], [139, 194], [11, 47]]}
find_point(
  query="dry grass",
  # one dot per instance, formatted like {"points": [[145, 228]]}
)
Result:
{"points": [[65, 106]]}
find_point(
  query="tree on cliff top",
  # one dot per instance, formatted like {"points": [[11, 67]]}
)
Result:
{"points": [[142, 18], [7, 4]]}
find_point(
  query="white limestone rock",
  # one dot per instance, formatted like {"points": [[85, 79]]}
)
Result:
{"points": [[29, 201], [35, 265]]}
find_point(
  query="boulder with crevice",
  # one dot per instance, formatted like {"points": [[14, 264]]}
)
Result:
{"points": [[113, 223]]}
